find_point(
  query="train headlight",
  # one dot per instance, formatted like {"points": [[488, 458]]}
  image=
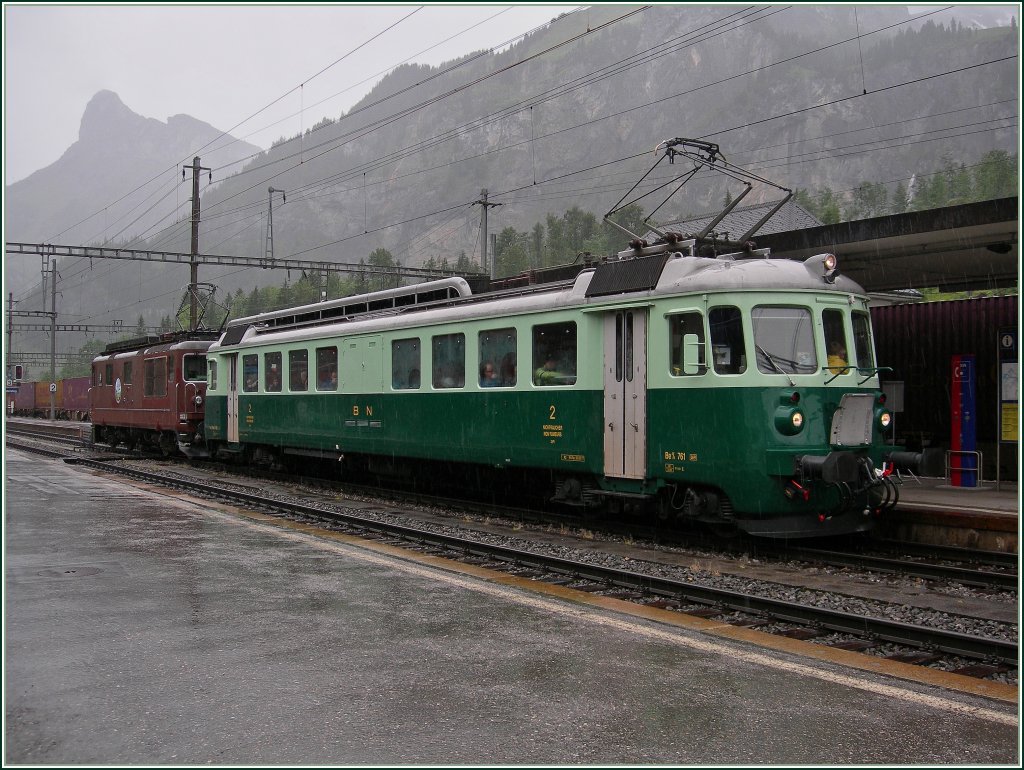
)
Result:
{"points": [[199, 400], [825, 265], [789, 420], [885, 419]]}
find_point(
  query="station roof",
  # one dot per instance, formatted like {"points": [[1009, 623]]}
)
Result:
{"points": [[973, 246]]}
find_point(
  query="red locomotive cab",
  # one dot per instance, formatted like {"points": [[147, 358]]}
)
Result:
{"points": [[151, 392], [191, 389]]}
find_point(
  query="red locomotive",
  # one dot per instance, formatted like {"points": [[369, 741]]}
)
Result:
{"points": [[151, 391]]}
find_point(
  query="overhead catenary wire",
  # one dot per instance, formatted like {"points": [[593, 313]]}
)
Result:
{"points": [[391, 158]]}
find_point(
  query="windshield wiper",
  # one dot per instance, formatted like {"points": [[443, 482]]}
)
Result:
{"points": [[772, 361]]}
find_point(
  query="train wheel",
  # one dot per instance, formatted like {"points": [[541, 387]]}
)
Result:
{"points": [[168, 444]]}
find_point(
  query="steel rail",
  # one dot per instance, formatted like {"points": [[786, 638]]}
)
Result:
{"points": [[984, 578], [949, 642]]}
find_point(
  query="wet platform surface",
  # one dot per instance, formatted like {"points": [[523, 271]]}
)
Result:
{"points": [[142, 628]]}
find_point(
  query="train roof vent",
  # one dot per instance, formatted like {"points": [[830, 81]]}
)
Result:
{"points": [[624, 275], [134, 343], [137, 343], [418, 296], [233, 334]]}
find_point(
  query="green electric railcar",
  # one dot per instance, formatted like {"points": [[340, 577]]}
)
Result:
{"points": [[729, 390]]}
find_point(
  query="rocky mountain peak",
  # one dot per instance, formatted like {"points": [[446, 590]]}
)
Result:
{"points": [[107, 115]]}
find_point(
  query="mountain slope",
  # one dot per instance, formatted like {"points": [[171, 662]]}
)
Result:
{"points": [[117, 151]]}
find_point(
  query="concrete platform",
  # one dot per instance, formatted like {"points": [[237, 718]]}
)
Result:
{"points": [[933, 511], [145, 628]]}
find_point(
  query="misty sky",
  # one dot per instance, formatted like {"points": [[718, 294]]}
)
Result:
{"points": [[220, 64]]}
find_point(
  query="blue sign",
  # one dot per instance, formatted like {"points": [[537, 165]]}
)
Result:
{"points": [[963, 442]]}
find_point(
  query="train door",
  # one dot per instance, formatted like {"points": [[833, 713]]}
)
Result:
{"points": [[362, 365], [625, 393], [232, 412]]}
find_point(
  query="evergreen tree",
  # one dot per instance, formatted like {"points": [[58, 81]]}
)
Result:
{"points": [[899, 199], [381, 257], [510, 252], [995, 176], [464, 264]]}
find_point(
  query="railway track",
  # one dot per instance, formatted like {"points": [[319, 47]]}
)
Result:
{"points": [[924, 643], [986, 570], [934, 569]]}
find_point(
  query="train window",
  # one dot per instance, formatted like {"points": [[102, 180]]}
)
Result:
{"points": [[327, 368], [405, 364], [298, 370], [170, 368], [784, 340], [862, 341], [448, 361], [250, 373], [497, 358], [272, 372], [127, 375], [155, 377], [727, 344], [554, 354], [97, 375], [108, 376], [211, 370], [835, 341], [679, 326], [194, 367]]}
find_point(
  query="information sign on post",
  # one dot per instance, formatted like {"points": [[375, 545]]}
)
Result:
{"points": [[1008, 385], [963, 441], [1009, 395]]}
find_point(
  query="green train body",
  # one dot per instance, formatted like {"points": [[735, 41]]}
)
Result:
{"points": [[691, 387]]}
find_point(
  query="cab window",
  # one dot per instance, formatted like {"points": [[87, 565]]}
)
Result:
{"points": [[680, 326], [127, 372], [211, 372], [862, 341], [784, 340], [193, 366], [728, 347], [835, 341], [109, 376]]}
